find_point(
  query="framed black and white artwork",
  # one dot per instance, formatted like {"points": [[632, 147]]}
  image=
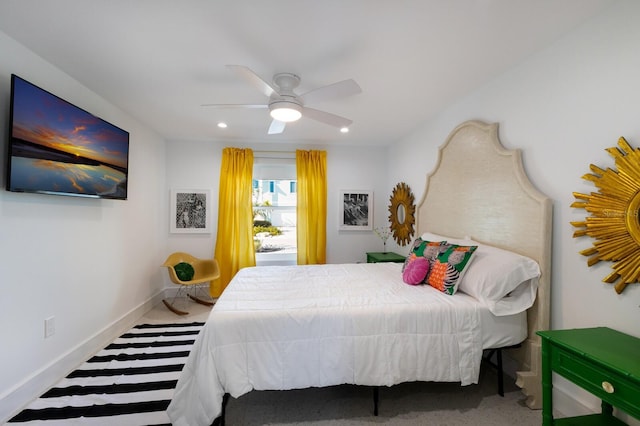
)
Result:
{"points": [[356, 210], [190, 211]]}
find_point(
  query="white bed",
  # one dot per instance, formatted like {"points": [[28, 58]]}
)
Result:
{"points": [[311, 326]]}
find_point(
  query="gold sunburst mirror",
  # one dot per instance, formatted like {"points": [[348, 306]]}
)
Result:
{"points": [[613, 219], [402, 213]]}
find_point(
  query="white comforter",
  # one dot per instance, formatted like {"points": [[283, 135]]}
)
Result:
{"points": [[288, 327]]}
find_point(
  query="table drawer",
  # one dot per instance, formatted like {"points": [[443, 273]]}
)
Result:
{"points": [[605, 384]]}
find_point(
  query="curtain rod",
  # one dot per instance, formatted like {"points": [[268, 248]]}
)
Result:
{"points": [[285, 155]]}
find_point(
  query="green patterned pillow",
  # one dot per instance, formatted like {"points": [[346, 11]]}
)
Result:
{"points": [[427, 249], [447, 270], [184, 271]]}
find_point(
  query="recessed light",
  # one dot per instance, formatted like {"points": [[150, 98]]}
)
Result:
{"points": [[222, 125], [344, 130]]}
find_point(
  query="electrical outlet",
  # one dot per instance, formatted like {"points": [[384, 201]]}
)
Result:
{"points": [[49, 326]]}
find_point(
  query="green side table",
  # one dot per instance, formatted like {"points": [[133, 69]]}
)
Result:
{"points": [[377, 257], [603, 361]]}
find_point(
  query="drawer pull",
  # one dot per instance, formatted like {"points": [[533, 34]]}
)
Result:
{"points": [[608, 387]]}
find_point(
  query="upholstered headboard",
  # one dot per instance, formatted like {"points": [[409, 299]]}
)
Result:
{"points": [[479, 189]]}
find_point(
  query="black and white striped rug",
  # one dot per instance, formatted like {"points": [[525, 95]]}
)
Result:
{"points": [[130, 382]]}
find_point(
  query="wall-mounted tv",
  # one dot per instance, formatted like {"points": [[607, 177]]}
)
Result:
{"points": [[57, 148]]}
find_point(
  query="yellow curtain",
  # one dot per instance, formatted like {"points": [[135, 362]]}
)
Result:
{"points": [[234, 243], [311, 170]]}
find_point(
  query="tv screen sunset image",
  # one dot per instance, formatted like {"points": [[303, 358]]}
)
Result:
{"points": [[56, 147]]}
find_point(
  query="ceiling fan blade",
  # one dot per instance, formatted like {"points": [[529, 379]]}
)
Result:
{"points": [[236, 105], [254, 79], [340, 89], [326, 117], [276, 127]]}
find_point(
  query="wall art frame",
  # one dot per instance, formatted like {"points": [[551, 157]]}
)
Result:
{"points": [[190, 211], [355, 210]]}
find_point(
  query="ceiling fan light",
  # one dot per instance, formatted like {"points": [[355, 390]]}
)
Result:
{"points": [[285, 111]]}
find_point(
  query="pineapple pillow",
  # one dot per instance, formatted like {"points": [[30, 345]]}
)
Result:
{"points": [[427, 249], [449, 267]]}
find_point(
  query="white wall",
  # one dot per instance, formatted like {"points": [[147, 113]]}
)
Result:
{"points": [[193, 165], [563, 108], [197, 164], [95, 264], [89, 263], [351, 168]]}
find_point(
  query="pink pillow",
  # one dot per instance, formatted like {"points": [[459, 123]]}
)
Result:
{"points": [[416, 271]]}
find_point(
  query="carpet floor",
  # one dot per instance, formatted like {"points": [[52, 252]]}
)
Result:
{"points": [[132, 381], [407, 404]]}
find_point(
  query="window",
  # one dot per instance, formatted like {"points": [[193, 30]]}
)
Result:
{"points": [[274, 208]]}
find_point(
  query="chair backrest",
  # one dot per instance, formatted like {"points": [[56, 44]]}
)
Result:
{"points": [[177, 257], [206, 270]]}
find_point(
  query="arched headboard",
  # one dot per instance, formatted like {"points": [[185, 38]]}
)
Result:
{"points": [[479, 189]]}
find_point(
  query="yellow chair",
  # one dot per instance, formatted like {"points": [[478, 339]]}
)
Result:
{"points": [[205, 270]]}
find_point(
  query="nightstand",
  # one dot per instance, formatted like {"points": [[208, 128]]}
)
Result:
{"points": [[384, 257], [600, 360]]}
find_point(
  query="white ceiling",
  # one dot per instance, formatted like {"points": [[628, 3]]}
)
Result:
{"points": [[160, 60]]}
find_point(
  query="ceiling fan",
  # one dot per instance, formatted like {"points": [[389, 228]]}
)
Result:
{"points": [[285, 106]]}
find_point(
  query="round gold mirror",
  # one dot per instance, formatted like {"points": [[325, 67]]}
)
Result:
{"points": [[401, 214], [613, 216]]}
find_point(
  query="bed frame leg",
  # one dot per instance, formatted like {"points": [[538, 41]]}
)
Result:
{"points": [[498, 366], [500, 373], [376, 397], [219, 421]]}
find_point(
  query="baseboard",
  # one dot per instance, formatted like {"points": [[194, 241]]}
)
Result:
{"points": [[570, 400], [39, 382]]}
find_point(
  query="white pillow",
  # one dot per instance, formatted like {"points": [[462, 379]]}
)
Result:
{"points": [[505, 281], [460, 241], [518, 300]]}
